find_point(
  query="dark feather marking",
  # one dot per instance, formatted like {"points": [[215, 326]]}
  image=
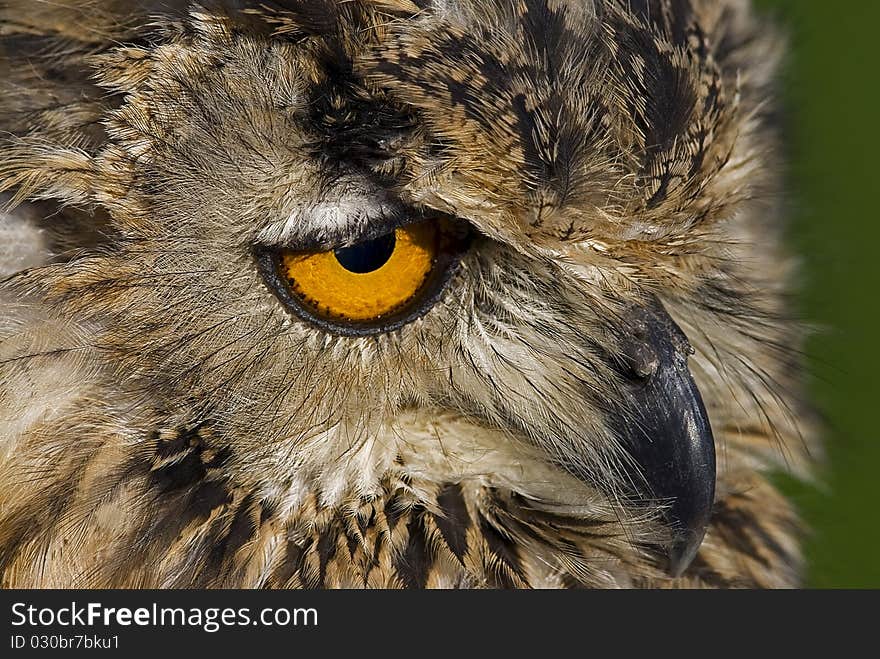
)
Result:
{"points": [[186, 471], [673, 17], [267, 510], [373, 561], [739, 541], [242, 528], [182, 492], [313, 17], [454, 522], [527, 129], [570, 583], [670, 99], [551, 162], [737, 528], [166, 518], [176, 512], [504, 548], [170, 447], [393, 511], [326, 551], [364, 522], [352, 543], [415, 562], [291, 565], [192, 467], [702, 570]]}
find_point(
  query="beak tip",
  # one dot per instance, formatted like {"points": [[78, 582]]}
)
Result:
{"points": [[683, 551]]}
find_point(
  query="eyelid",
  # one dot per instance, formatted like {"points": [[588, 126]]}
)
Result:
{"points": [[341, 223]]}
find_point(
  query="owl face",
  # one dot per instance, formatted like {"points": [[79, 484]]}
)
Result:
{"points": [[444, 239]]}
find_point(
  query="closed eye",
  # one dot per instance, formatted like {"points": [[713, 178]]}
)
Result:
{"points": [[372, 286]]}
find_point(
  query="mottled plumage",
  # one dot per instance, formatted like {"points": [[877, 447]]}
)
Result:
{"points": [[166, 422]]}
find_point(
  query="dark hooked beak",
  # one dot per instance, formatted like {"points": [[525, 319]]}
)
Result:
{"points": [[666, 430]]}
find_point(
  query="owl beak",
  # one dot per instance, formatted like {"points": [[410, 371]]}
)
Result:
{"points": [[667, 430]]}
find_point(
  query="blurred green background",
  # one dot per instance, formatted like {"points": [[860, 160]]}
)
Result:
{"points": [[831, 95]]}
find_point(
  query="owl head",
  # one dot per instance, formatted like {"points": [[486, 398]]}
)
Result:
{"points": [[523, 245]]}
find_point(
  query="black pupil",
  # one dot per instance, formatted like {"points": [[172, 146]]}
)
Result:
{"points": [[367, 256]]}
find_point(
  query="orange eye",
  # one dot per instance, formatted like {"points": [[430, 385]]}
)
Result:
{"points": [[372, 286]]}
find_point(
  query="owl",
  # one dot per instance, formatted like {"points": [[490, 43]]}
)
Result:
{"points": [[395, 294]]}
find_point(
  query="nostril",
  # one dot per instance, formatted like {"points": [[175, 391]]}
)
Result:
{"points": [[641, 359], [650, 328]]}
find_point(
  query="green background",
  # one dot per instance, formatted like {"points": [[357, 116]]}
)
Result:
{"points": [[830, 94]]}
